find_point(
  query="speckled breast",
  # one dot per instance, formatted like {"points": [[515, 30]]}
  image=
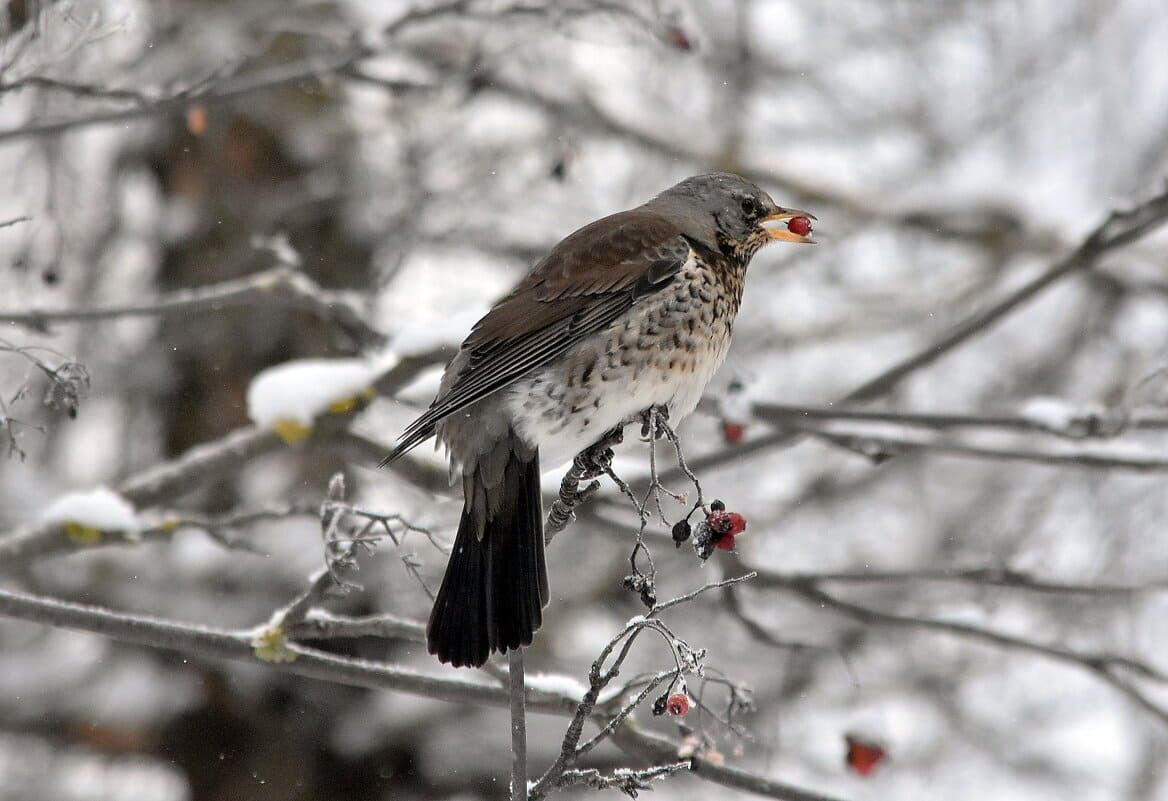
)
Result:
{"points": [[663, 352]]}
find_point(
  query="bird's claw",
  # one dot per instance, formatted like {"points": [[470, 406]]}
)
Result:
{"points": [[651, 419], [595, 462]]}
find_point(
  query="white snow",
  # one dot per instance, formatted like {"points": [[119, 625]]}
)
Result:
{"points": [[302, 390], [1054, 414], [557, 685], [100, 508]]}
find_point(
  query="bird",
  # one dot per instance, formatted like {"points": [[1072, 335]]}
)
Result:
{"points": [[631, 312]]}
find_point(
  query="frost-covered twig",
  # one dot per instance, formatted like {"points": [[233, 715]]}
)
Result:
{"points": [[628, 780], [602, 673]]}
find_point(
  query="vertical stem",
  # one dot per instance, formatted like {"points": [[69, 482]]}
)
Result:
{"points": [[518, 725]]}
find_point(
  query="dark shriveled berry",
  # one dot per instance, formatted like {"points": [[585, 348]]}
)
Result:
{"points": [[681, 532], [660, 705]]}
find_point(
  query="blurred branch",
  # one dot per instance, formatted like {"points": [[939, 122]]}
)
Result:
{"points": [[291, 74], [880, 447], [1121, 228], [978, 576], [320, 624], [1109, 668], [14, 221], [278, 286], [258, 81], [1086, 423], [74, 87], [208, 642]]}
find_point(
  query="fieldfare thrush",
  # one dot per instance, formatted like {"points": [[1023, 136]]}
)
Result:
{"points": [[631, 312]]}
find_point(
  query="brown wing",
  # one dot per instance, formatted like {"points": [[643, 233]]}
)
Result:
{"points": [[587, 281]]}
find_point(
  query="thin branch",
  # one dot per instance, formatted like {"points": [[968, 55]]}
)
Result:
{"points": [[74, 87], [264, 80], [1121, 228], [883, 446], [320, 624], [979, 576], [278, 286], [1084, 423], [1110, 668], [14, 221], [628, 780], [205, 641]]}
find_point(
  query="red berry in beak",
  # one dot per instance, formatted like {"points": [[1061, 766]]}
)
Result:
{"points": [[799, 225]]}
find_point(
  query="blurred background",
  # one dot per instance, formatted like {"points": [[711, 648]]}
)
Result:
{"points": [[413, 159]]}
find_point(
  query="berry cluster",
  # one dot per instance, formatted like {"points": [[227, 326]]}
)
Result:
{"points": [[718, 531]]}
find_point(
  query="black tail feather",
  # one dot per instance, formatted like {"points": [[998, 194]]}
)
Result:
{"points": [[495, 588]]}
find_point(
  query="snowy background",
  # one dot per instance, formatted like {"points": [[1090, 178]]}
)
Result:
{"points": [[396, 170]]}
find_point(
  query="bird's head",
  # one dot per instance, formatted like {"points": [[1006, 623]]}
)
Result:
{"points": [[726, 212]]}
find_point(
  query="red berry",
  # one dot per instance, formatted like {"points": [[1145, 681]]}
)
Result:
{"points": [[677, 704], [799, 225], [863, 756], [727, 523], [732, 432], [679, 39]]}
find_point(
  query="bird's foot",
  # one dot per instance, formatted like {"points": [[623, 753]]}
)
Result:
{"points": [[596, 460], [655, 419]]}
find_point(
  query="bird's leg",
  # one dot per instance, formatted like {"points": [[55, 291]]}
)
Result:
{"points": [[597, 457], [654, 422]]}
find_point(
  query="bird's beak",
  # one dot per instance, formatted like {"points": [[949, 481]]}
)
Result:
{"points": [[776, 226]]}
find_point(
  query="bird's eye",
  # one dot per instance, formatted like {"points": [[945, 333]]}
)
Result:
{"points": [[751, 207]]}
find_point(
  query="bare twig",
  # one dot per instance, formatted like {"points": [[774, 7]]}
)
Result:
{"points": [[883, 446], [1113, 669], [1084, 423], [981, 577], [75, 88], [278, 286]]}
